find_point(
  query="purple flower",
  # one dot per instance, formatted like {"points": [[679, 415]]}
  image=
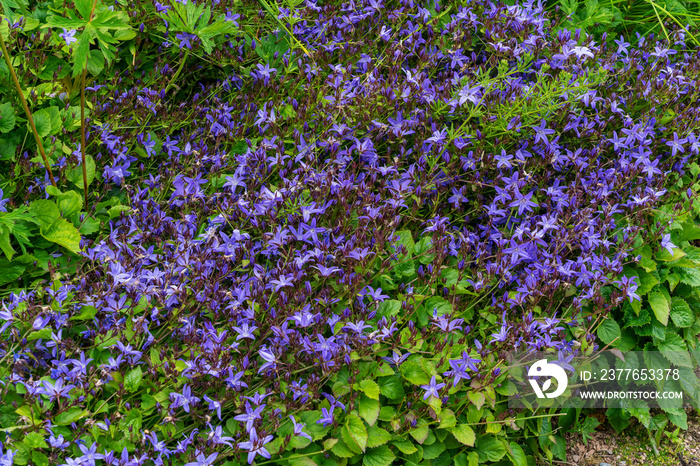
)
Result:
{"points": [[68, 36], [255, 445], [667, 244], [202, 461], [432, 389]]}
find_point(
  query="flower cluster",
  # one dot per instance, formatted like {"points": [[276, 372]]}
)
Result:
{"points": [[323, 213]]}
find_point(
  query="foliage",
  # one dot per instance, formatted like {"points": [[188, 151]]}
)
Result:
{"points": [[320, 248]]}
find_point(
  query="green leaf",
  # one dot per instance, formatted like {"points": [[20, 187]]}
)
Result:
{"points": [[447, 419], [45, 212], [681, 315], [414, 373], [42, 121], [67, 417], [675, 350], [96, 62], [688, 276], [84, 7], [404, 446], [69, 202], [369, 409], [341, 449], [377, 436], [133, 379], [464, 434], [659, 305], [354, 433], [489, 448], [75, 175], [608, 331], [10, 272], [391, 387], [35, 440], [432, 451], [370, 388], [7, 118], [82, 51], [64, 234], [517, 455], [380, 456], [5, 244], [389, 308]]}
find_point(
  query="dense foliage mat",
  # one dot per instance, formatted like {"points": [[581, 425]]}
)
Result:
{"points": [[314, 231]]}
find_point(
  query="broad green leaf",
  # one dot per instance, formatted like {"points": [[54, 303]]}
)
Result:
{"points": [[64, 234], [69, 202], [447, 419], [675, 350], [42, 121], [10, 272], [490, 448], [432, 451], [35, 440], [7, 118], [464, 434], [414, 373], [75, 175], [132, 381], [341, 449], [389, 308], [681, 315], [608, 331], [86, 313], [404, 446], [5, 244], [369, 409], [659, 305], [370, 388], [67, 417], [517, 455], [95, 62], [688, 276], [377, 436], [477, 398], [45, 212], [82, 51], [354, 433]]}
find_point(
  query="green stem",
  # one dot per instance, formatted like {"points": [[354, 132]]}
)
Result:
{"points": [[177, 73], [6, 55]]}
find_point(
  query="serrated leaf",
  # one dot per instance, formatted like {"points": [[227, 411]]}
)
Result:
{"points": [[62, 233], [688, 276], [517, 455], [7, 118], [132, 381], [341, 449], [354, 433], [391, 387], [75, 175], [490, 448], [608, 331], [464, 434], [45, 212], [659, 305], [67, 417], [414, 373], [377, 436], [681, 315], [404, 446], [5, 244], [35, 440], [447, 419], [42, 122], [370, 388], [369, 409], [95, 62], [10, 272]]}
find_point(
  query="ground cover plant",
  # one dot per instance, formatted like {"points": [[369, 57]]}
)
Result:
{"points": [[313, 230]]}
